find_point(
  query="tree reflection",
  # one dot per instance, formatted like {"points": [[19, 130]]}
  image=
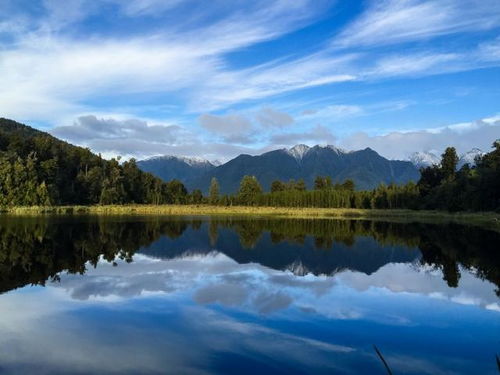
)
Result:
{"points": [[34, 250]]}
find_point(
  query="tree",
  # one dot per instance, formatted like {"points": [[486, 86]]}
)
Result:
{"points": [[196, 196], [348, 185], [319, 183], [213, 193], [300, 185], [277, 185], [249, 190], [430, 177], [449, 161], [176, 192], [43, 195]]}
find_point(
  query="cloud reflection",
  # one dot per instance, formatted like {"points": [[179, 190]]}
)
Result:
{"points": [[215, 278]]}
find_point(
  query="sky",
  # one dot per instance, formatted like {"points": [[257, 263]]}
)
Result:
{"points": [[216, 79]]}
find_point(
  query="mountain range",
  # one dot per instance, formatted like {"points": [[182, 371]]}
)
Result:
{"points": [[365, 167]]}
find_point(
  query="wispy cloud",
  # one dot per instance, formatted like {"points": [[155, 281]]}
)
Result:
{"points": [[179, 60], [69, 71], [397, 21]]}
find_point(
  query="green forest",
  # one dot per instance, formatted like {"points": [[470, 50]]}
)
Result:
{"points": [[37, 169]]}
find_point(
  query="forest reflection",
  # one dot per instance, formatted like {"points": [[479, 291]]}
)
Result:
{"points": [[36, 250]]}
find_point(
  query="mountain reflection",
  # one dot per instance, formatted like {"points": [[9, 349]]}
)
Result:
{"points": [[34, 250]]}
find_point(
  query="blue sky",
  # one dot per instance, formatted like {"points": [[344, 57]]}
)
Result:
{"points": [[216, 79]]}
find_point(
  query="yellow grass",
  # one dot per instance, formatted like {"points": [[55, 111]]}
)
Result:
{"points": [[482, 218]]}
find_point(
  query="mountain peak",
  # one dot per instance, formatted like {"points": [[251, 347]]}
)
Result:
{"points": [[421, 159], [298, 151], [469, 157], [336, 149]]}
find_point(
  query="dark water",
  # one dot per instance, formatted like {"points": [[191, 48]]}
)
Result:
{"points": [[231, 296]]}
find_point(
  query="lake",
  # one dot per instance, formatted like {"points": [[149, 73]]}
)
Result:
{"points": [[154, 295]]}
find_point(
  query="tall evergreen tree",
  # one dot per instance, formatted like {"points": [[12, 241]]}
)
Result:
{"points": [[213, 193], [449, 161], [250, 189]]}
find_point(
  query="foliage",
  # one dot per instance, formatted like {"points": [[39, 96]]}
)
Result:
{"points": [[250, 190], [38, 169], [213, 193]]}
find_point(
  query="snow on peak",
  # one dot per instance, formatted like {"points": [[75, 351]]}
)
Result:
{"points": [[336, 149], [427, 158], [469, 157], [217, 162], [298, 151], [192, 161], [421, 159]]}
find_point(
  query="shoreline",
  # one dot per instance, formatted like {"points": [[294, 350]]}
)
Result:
{"points": [[477, 218]]}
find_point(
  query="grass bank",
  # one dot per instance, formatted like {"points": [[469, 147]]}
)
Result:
{"points": [[477, 218]]}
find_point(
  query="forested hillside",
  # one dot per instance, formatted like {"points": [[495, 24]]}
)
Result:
{"points": [[38, 169]]}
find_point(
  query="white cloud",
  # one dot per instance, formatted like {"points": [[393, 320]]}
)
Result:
{"points": [[397, 21], [49, 75], [277, 77], [148, 7], [132, 137], [490, 51], [398, 145], [126, 137], [271, 117], [68, 72], [231, 127], [318, 134], [335, 111]]}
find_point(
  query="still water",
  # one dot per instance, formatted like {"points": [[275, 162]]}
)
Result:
{"points": [[238, 296]]}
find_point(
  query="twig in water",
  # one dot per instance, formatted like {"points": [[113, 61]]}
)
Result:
{"points": [[385, 363]]}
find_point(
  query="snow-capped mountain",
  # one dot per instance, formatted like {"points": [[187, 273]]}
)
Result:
{"points": [[365, 167], [470, 157], [192, 161], [298, 151], [422, 159], [182, 168]]}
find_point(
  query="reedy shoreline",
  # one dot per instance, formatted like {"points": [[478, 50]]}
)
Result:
{"points": [[474, 218]]}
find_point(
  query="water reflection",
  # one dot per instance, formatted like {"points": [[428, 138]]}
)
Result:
{"points": [[34, 250], [171, 295]]}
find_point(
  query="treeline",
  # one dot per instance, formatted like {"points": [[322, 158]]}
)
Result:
{"points": [[295, 194], [440, 187], [469, 188], [38, 169]]}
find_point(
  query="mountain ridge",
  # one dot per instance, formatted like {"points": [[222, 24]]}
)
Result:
{"points": [[365, 167]]}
